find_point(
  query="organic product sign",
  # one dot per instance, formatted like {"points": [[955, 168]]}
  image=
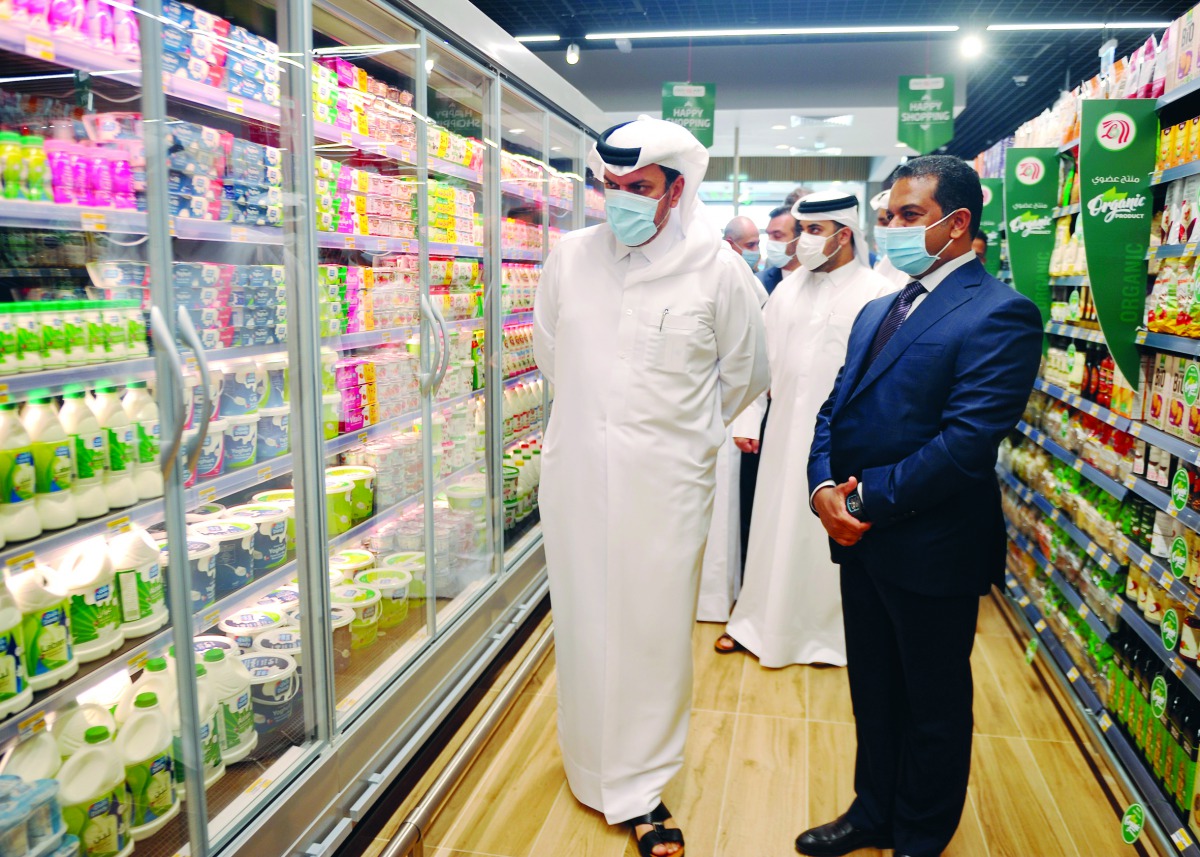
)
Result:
{"points": [[1158, 696], [1179, 557], [1132, 823], [1170, 637], [992, 221], [926, 112], [1180, 490], [692, 105], [1030, 189], [1116, 155]]}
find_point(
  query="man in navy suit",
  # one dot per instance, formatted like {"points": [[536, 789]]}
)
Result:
{"points": [[901, 474]]}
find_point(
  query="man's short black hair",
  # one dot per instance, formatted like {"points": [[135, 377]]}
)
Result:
{"points": [[957, 184], [670, 174], [981, 236], [785, 209]]}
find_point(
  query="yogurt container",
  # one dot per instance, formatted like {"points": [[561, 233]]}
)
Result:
{"points": [[365, 601], [274, 684], [338, 504], [331, 414], [270, 544], [362, 498], [336, 578], [285, 600], [235, 552], [282, 497], [352, 562], [200, 645], [392, 586], [244, 626], [205, 513], [467, 498], [241, 441], [239, 389], [274, 437], [272, 383], [202, 569], [341, 618], [216, 380], [14, 826], [212, 454], [285, 640], [414, 563]]}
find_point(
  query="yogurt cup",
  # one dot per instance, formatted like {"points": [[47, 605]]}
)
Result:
{"points": [[272, 383], [245, 625], [414, 563], [365, 601], [392, 586], [285, 600], [362, 498], [207, 512], [216, 382], [331, 414], [282, 497], [270, 544], [274, 685], [285, 640], [342, 618], [200, 645], [352, 562], [239, 388], [274, 436], [338, 505], [235, 552], [467, 498], [212, 453], [202, 569], [241, 441]]}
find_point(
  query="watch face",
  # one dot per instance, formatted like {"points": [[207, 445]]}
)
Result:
{"points": [[853, 504]]}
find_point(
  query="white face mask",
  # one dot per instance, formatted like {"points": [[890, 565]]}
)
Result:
{"points": [[810, 250], [776, 253]]}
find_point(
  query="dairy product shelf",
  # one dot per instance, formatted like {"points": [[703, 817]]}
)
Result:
{"points": [[524, 376], [1064, 586], [562, 203], [519, 191], [458, 171], [366, 243], [1058, 328], [43, 273], [1076, 401], [522, 255], [361, 142], [1166, 342], [54, 380], [1090, 473], [471, 251], [525, 316]]}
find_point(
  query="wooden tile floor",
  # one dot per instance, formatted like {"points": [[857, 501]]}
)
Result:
{"points": [[771, 752]]}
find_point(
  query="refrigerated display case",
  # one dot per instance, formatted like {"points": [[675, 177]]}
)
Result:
{"points": [[267, 393]]}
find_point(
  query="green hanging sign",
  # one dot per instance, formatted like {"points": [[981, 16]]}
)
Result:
{"points": [[992, 221], [1030, 191], [1116, 156], [925, 116], [692, 105]]}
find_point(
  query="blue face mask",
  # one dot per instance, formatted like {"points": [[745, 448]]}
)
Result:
{"points": [[751, 257], [905, 247], [631, 217]]}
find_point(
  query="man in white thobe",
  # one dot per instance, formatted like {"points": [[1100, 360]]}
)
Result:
{"points": [[649, 328], [884, 266], [790, 607]]}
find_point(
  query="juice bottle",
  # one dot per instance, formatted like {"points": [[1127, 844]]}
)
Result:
{"points": [[91, 453], [119, 485], [53, 462], [74, 333], [143, 410], [12, 166], [18, 513], [54, 343], [34, 155], [28, 321]]}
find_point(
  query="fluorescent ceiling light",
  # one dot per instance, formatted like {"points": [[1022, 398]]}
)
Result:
{"points": [[775, 31], [516, 130], [845, 120], [773, 127], [530, 39], [783, 146], [971, 47], [1085, 25]]}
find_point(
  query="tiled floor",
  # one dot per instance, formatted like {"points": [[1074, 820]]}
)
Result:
{"points": [[771, 752]]}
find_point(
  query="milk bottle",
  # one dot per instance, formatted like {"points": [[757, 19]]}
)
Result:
{"points": [[145, 744], [18, 513], [71, 726], [119, 486], [143, 410], [86, 573], [91, 454], [35, 758], [231, 680], [156, 679], [53, 463], [94, 797], [49, 657], [15, 692], [210, 735], [136, 562]]}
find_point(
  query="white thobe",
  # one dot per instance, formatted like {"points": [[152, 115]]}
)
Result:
{"points": [[652, 352], [790, 607], [721, 569]]}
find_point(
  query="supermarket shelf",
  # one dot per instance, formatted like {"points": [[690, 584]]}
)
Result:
{"points": [[524, 376], [522, 255], [144, 514], [1069, 281], [366, 243], [363, 143], [519, 191], [522, 317], [54, 380], [1064, 586], [1170, 443], [1058, 328], [1167, 342], [1161, 500], [1156, 571], [1056, 515], [1133, 619], [368, 338], [1066, 211], [1077, 401], [1187, 91], [562, 203], [456, 250], [43, 273], [1143, 780], [1068, 147], [1172, 251], [458, 171], [1090, 473], [1175, 173]]}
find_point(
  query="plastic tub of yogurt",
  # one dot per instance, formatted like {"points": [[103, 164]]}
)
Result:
{"points": [[212, 454], [282, 497], [202, 569], [245, 625], [285, 640], [239, 388], [285, 600], [352, 562], [274, 437], [362, 498], [331, 414], [414, 563], [270, 544], [235, 557], [272, 383], [392, 586], [365, 601], [342, 618], [241, 441], [204, 514], [338, 504], [274, 688]]}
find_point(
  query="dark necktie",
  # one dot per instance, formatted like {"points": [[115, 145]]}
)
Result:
{"points": [[895, 318]]}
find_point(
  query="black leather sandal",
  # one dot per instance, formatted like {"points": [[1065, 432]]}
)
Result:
{"points": [[660, 835], [722, 650]]}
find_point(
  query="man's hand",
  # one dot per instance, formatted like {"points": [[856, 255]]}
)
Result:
{"points": [[746, 444], [830, 503]]}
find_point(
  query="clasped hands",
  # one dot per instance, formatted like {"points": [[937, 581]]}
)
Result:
{"points": [[830, 505]]}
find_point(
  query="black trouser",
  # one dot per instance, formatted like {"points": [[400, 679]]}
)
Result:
{"points": [[909, 662], [748, 478]]}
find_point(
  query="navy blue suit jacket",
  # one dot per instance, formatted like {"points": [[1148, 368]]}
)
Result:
{"points": [[920, 427]]}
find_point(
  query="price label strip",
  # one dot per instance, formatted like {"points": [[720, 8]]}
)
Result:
{"points": [[22, 562], [1072, 675], [119, 525], [39, 48], [1181, 839], [32, 725]]}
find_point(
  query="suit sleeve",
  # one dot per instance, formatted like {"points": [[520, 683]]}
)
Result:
{"points": [[995, 370], [819, 467], [741, 341], [545, 316]]}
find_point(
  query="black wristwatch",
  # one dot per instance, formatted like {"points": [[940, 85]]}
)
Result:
{"points": [[854, 505]]}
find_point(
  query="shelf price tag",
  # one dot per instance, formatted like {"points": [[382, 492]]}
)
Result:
{"points": [[1083, 611], [1040, 625], [119, 525], [1132, 823], [234, 104], [1181, 839], [1177, 667], [137, 662], [4, 393], [39, 48], [259, 785], [22, 562], [264, 472], [211, 618], [347, 139], [1094, 409], [1078, 464], [1072, 675], [1156, 177], [1105, 722], [93, 221], [239, 234], [1024, 602], [1152, 254], [32, 725], [1189, 249], [349, 242], [208, 494], [363, 437], [1135, 429], [1055, 515]]}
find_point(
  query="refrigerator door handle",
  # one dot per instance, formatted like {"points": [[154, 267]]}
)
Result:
{"points": [[444, 363], [427, 378], [164, 339], [187, 332]]}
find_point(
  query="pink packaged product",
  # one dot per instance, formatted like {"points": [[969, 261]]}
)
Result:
{"points": [[349, 373], [98, 23], [125, 31], [351, 420]]}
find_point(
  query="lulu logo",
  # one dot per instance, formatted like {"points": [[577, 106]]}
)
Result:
{"points": [[1030, 170], [1116, 131], [987, 195]]}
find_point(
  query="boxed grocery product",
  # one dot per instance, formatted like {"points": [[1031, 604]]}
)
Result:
{"points": [[1177, 406], [195, 185], [199, 208], [193, 68], [1160, 390]]}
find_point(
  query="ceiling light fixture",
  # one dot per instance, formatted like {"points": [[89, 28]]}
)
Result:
{"points": [[526, 40], [1083, 25], [516, 130], [773, 127], [775, 31], [572, 53], [783, 146], [429, 64], [971, 46], [902, 145]]}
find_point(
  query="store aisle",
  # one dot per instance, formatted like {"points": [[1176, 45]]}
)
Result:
{"points": [[771, 752]]}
